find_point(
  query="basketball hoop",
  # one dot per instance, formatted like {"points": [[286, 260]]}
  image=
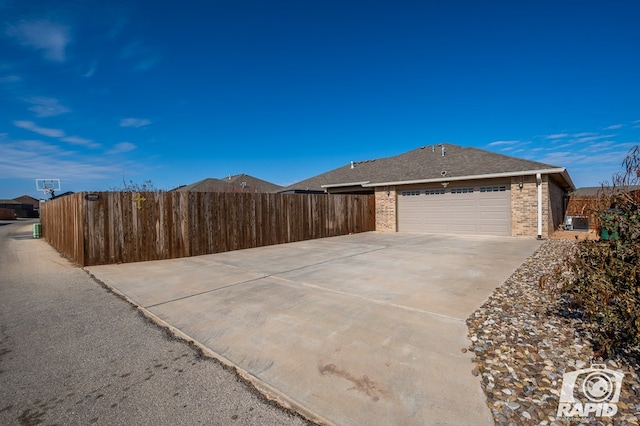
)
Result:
{"points": [[48, 186]]}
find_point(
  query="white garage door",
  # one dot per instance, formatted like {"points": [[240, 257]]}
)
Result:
{"points": [[472, 209]]}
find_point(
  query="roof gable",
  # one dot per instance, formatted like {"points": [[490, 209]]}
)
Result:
{"points": [[235, 183], [27, 199]]}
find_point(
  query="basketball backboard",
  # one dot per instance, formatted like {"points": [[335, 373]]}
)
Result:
{"points": [[48, 186]]}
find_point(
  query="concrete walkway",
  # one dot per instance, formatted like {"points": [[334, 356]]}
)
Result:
{"points": [[352, 330]]}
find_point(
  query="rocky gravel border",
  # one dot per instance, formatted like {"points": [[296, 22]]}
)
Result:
{"points": [[522, 347]]}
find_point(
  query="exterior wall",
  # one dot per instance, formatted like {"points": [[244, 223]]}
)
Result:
{"points": [[25, 199], [524, 207], [386, 209], [556, 206]]}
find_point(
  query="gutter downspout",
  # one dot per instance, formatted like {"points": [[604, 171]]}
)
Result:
{"points": [[539, 183]]}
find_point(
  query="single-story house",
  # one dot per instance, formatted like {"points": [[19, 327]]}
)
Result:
{"points": [[232, 183], [20, 207], [447, 188], [27, 199]]}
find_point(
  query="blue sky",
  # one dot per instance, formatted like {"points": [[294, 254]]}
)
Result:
{"points": [[97, 92]]}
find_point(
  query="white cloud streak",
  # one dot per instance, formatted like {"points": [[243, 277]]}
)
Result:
{"points": [[91, 71], [46, 107], [504, 143], [76, 140], [557, 136], [30, 125], [122, 147], [49, 37], [22, 158], [592, 137], [56, 133], [140, 56], [134, 122], [590, 157], [614, 127]]}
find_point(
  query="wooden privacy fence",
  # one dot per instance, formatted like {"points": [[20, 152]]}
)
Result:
{"points": [[7, 214], [584, 206], [118, 227]]}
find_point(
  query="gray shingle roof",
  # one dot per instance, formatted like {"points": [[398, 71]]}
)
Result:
{"points": [[422, 164], [591, 191], [235, 183]]}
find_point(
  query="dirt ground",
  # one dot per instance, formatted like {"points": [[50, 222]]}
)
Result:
{"points": [[577, 235]]}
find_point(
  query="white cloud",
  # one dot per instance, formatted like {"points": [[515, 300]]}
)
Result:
{"points": [[30, 125], [134, 122], [599, 146], [122, 147], [146, 64], [557, 136], [91, 71], [46, 107], [504, 143], [49, 37], [614, 127], [592, 138], [142, 57], [56, 133], [20, 158], [76, 140]]}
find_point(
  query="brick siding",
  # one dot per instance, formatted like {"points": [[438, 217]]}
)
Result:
{"points": [[386, 217], [524, 207]]}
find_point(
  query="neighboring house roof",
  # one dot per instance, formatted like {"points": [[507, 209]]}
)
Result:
{"points": [[592, 191], [235, 183], [9, 202], [64, 194], [27, 199], [589, 191], [428, 164]]}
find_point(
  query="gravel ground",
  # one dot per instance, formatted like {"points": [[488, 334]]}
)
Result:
{"points": [[522, 348], [73, 353]]}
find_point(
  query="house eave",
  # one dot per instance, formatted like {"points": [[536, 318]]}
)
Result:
{"points": [[339, 185], [561, 171]]}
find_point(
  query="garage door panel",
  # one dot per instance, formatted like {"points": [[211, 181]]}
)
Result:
{"points": [[463, 210], [493, 204], [464, 228]]}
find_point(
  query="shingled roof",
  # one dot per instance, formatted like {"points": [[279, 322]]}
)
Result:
{"points": [[235, 183], [428, 164]]}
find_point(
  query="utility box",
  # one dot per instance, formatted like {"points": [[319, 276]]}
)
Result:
{"points": [[37, 230]]}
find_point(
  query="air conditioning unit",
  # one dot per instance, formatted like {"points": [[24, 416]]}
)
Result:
{"points": [[576, 223]]}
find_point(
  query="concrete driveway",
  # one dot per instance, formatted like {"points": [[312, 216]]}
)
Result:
{"points": [[359, 329]]}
